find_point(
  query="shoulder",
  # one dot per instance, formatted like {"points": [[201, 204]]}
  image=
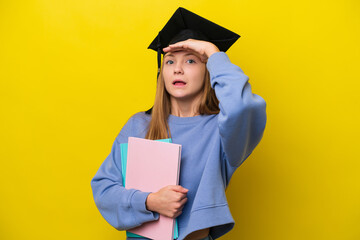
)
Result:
{"points": [[136, 126], [140, 118]]}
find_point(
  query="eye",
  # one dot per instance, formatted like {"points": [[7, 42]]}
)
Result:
{"points": [[169, 62], [191, 61]]}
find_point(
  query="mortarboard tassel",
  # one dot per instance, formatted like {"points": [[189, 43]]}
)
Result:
{"points": [[158, 54], [158, 46]]}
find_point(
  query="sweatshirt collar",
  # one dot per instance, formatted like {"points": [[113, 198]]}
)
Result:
{"points": [[187, 120]]}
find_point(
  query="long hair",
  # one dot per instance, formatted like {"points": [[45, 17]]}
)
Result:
{"points": [[158, 127]]}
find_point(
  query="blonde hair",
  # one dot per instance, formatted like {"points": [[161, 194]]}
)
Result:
{"points": [[158, 127]]}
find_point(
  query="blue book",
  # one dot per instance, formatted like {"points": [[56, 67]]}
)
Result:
{"points": [[123, 153]]}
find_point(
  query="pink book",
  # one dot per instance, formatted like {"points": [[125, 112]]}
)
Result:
{"points": [[152, 165]]}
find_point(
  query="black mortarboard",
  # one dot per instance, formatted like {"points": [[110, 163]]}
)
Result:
{"points": [[184, 25]]}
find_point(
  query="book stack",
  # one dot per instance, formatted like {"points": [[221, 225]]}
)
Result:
{"points": [[148, 166]]}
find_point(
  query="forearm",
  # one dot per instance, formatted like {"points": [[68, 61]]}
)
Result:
{"points": [[242, 114], [122, 208]]}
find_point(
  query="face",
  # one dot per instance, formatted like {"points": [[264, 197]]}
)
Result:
{"points": [[184, 75]]}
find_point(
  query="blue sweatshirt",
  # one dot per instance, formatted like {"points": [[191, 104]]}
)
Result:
{"points": [[213, 147]]}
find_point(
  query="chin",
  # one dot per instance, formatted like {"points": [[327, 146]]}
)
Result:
{"points": [[179, 97], [178, 94], [183, 97]]}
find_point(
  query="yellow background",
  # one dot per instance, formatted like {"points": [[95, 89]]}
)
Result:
{"points": [[72, 73]]}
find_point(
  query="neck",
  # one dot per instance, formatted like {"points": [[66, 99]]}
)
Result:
{"points": [[185, 107]]}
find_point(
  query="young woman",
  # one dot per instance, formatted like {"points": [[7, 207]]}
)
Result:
{"points": [[205, 103]]}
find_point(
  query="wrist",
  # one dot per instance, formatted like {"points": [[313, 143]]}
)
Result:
{"points": [[149, 203], [211, 50]]}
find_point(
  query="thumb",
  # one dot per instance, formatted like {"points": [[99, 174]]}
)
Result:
{"points": [[179, 188]]}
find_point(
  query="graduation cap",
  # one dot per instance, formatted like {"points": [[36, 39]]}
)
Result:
{"points": [[184, 25]]}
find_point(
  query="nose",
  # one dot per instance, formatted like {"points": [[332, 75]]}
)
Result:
{"points": [[178, 68]]}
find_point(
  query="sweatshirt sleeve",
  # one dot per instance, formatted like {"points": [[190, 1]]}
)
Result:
{"points": [[242, 116], [122, 208]]}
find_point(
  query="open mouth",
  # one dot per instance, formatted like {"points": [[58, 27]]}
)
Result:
{"points": [[179, 83]]}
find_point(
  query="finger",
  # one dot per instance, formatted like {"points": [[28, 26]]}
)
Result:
{"points": [[183, 201], [180, 189], [183, 45], [195, 45], [181, 196], [177, 214], [181, 208], [197, 53], [173, 48], [167, 49]]}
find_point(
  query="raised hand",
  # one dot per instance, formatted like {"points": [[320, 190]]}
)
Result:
{"points": [[203, 49]]}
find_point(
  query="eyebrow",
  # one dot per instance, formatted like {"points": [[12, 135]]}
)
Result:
{"points": [[188, 54]]}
